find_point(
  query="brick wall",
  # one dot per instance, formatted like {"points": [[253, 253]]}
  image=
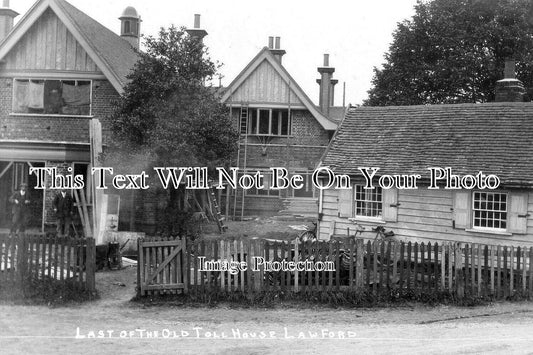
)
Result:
{"points": [[303, 151], [55, 128]]}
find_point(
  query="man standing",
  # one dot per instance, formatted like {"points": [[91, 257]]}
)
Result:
{"points": [[63, 207], [20, 210]]}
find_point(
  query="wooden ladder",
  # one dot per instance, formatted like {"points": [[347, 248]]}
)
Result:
{"points": [[218, 216]]}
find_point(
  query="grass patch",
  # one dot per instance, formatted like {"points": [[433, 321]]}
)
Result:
{"points": [[49, 292], [328, 299]]}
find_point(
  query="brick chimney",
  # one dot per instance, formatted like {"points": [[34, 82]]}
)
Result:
{"points": [[327, 86], [509, 89], [130, 26], [196, 32], [274, 46], [6, 19]]}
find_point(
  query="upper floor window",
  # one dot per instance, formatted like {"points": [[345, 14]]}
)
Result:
{"points": [[269, 122], [52, 97], [490, 210]]}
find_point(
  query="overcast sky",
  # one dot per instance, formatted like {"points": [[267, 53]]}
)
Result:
{"points": [[355, 33]]}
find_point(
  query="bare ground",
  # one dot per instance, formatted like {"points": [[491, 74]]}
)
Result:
{"points": [[497, 328]]}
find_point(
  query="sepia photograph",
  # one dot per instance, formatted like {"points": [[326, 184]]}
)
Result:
{"points": [[266, 177]]}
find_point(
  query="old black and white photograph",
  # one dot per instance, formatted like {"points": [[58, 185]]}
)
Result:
{"points": [[266, 177]]}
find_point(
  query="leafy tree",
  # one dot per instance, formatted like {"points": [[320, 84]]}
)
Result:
{"points": [[167, 116], [453, 51]]}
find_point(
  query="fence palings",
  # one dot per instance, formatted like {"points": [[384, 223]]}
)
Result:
{"points": [[359, 265]]}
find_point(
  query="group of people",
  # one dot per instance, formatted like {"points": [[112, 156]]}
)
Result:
{"points": [[63, 207]]}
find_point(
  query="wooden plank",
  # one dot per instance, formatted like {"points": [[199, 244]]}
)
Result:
{"points": [[368, 264], [317, 258], [408, 264], [82, 254], [459, 277], [249, 256], [57, 240], [511, 271], [491, 260], [402, 265], [50, 258], [68, 264], [337, 265], [382, 257], [296, 259], [359, 262], [443, 258], [351, 253], [395, 260], [75, 264], [222, 274], [499, 272], [388, 263], [485, 270], [451, 261], [241, 248], [505, 270], [524, 270], [140, 267], [195, 265], [436, 266], [530, 291], [187, 266], [90, 268], [375, 268], [468, 265], [415, 269], [517, 276], [231, 281], [201, 246]]}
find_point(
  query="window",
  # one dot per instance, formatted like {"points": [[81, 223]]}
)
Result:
{"points": [[490, 210], [308, 189], [52, 97], [269, 122], [368, 202], [266, 191]]}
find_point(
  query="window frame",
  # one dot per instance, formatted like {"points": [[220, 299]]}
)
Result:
{"points": [[256, 115], [493, 211], [28, 79], [377, 191], [269, 193]]}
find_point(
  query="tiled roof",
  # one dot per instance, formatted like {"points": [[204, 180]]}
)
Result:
{"points": [[110, 47], [496, 138]]}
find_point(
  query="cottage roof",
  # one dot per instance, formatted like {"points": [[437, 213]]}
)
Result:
{"points": [[113, 55], [266, 55], [496, 138]]}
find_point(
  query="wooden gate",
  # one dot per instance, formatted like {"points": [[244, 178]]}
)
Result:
{"points": [[161, 266]]}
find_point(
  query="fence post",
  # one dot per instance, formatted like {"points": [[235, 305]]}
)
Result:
{"points": [[459, 277], [359, 255], [21, 259], [90, 266]]}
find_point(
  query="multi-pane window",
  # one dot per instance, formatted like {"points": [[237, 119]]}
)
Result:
{"points": [[307, 189], [490, 210], [52, 97], [266, 191], [368, 202], [269, 122]]}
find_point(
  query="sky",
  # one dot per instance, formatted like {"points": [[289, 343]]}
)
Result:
{"points": [[356, 34]]}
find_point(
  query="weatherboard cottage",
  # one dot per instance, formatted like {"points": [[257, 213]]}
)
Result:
{"points": [[492, 138]]}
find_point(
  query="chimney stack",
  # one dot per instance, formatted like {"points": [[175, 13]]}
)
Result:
{"points": [[509, 89], [327, 86], [130, 26], [6, 19], [197, 32], [274, 46]]}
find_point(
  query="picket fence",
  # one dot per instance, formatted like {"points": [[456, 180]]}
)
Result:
{"points": [[174, 266], [47, 258]]}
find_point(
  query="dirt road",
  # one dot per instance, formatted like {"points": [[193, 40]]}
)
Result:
{"points": [[113, 325]]}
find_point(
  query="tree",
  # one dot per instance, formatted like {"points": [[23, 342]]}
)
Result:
{"points": [[167, 116], [453, 51]]}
